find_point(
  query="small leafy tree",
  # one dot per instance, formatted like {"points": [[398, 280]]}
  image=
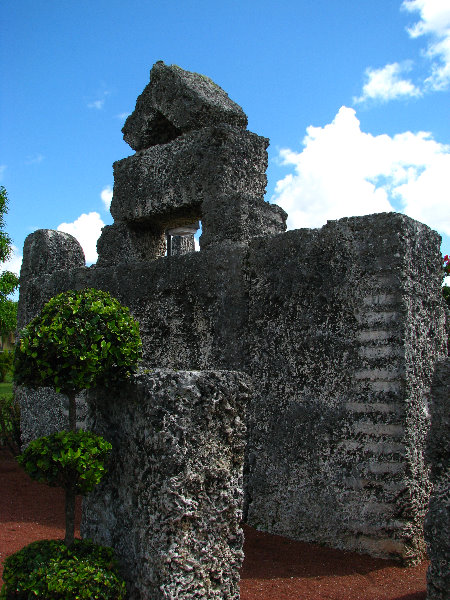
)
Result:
{"points": [[8, 281], [80, 340]]}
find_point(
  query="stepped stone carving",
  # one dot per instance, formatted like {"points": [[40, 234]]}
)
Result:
{"points": [[338, 328]]}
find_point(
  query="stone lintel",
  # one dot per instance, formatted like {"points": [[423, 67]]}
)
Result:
{"points": [[177, 177]]}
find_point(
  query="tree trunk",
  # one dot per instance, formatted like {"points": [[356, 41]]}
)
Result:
{"points": [[70, 517], [72, 411]]}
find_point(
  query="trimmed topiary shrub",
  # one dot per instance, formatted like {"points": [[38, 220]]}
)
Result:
{"points": [[81, 339], [49, 569], [65, 459]]}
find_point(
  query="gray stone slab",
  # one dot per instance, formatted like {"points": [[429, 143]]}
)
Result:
{"points": [[166, 185], [46, 250], [176, 101]]}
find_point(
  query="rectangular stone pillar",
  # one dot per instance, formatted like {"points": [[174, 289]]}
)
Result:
{"points": [[171, 502]]}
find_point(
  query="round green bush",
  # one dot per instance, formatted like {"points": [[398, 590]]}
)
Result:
{"points": [[81, 339], [69, 459], [48, 569]]}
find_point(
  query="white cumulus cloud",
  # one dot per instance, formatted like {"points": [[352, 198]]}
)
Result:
{"points": [[387, 84], [343, 171], [106, 195], [435, 23], [86, 229], [2, 170]]}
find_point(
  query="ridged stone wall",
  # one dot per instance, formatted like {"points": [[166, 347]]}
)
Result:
{"points": [[345, 326]]}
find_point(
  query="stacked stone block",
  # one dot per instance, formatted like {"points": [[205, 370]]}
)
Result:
{"points": [[194, 161], [339, 328]]}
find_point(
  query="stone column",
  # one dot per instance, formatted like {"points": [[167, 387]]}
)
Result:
{"points": [[171, 502]]}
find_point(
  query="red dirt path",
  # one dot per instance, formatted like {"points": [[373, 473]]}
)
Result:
{"points": [[275, 568]]}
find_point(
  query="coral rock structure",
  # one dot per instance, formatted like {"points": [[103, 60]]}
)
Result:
{"points": [[171, 505], [437, 523], [338, 328]]}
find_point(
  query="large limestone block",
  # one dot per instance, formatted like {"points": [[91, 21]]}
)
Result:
{"points": [[171, 502], [345, 325], [239, 218], [123, 243], [46, 250], [167, 184], [176, 101]]}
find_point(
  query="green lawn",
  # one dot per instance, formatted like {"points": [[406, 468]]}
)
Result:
{"points": [[6, 388]]}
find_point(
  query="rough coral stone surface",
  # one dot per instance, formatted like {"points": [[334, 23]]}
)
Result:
{"points": [[437, 523], [345, 326], [46, 250], [167, 184], [176, 101], [43, 412], [171, 502], [339, 329], [125, 243], [238, 218]]}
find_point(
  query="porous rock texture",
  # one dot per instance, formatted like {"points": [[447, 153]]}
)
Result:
{"points": [[437, 523], [183, 173], [345, 326], [48, 250], [174, 102], [171, 502], [339, 329], [43, 412]]}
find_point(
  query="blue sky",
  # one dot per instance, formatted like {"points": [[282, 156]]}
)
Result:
{"points": [[354, 96]]}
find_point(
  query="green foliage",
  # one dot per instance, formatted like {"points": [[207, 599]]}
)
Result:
{"points": [[8, 281], [10, 423], [6, 364], [80, 340], [69, 459], [446, 294], [8, 316], [48, 569], [5, 240]]}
